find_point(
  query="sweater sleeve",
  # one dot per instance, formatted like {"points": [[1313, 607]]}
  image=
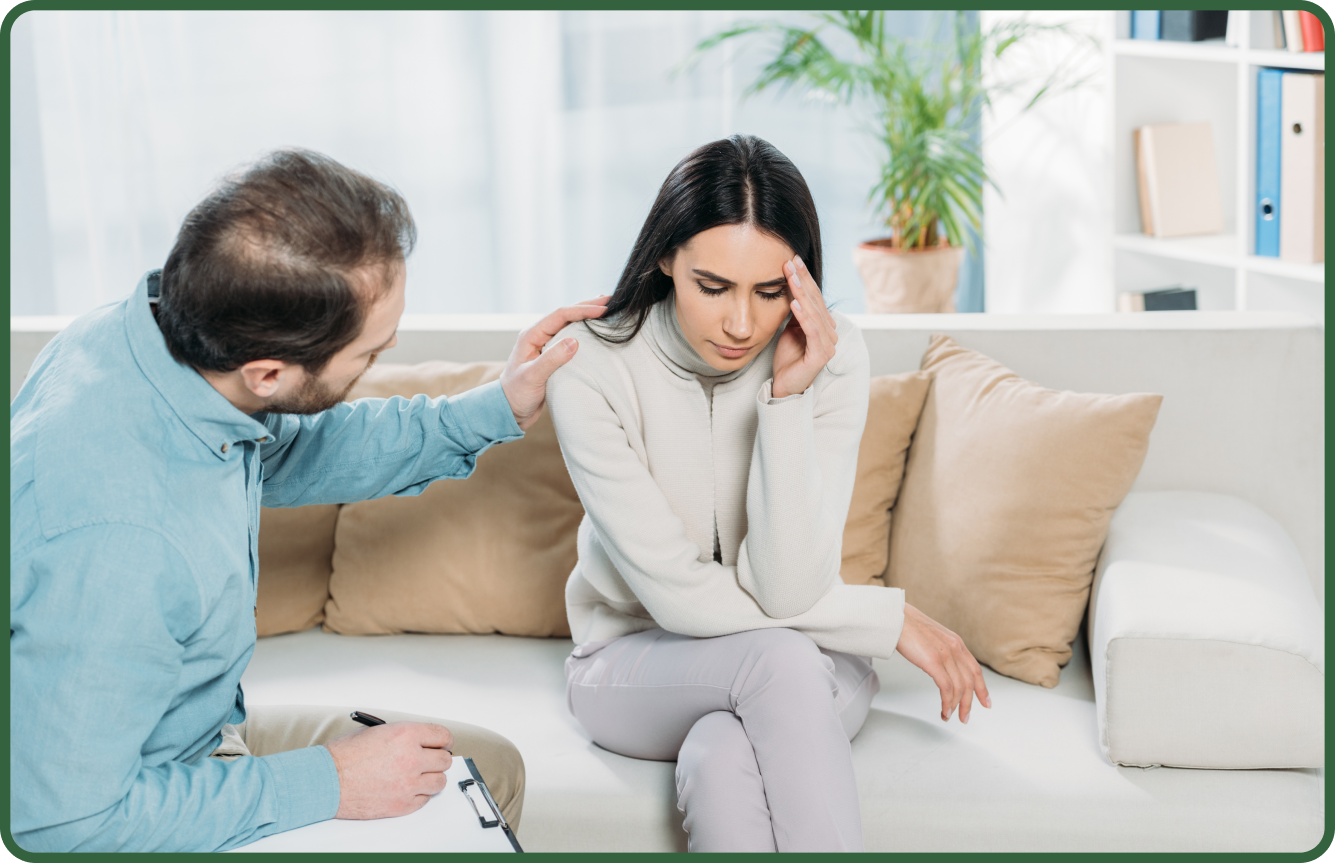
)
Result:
{"points": [[801, 481], [654, 563]]}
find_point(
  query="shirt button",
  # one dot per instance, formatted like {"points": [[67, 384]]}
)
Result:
{"points": [[224, 447]]}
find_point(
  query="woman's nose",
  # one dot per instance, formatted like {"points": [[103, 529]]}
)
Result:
{"points": [[738, 322]]}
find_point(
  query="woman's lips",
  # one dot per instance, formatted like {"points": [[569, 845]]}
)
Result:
{"points": [[731, 353]]}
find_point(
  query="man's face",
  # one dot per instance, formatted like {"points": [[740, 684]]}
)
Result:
{"points": [[321, 392]]}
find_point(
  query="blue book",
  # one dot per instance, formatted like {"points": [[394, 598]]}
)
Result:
{"points": [[1145, 25], [1268, 84]]}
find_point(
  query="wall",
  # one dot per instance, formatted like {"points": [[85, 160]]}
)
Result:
{"points": [[1047, 229]]}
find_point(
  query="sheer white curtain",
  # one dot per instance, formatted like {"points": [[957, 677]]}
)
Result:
{"points": [[528, 144]]}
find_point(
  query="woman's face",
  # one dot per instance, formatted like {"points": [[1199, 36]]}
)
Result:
{"points": [[731, 293]]}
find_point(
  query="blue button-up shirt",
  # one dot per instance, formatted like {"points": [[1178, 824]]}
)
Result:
{"points": [[135, 493]]}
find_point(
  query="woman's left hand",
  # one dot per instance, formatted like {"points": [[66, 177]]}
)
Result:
{"points": [[809, 340]]}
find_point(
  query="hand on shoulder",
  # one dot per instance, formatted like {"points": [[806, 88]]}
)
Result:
{"points": [[526, 372]]}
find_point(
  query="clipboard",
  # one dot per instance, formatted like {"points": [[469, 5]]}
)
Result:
{"points": [[448, 822], [489, 815]]}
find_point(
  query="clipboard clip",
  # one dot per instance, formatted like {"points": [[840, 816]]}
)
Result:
{"points": [[487, 811]]}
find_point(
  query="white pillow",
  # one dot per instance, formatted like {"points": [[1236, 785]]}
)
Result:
{"points": [[1206, 640]]}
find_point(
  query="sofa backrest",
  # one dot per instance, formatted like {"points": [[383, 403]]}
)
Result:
{"points": [[1243, 413], [1244, 392]]}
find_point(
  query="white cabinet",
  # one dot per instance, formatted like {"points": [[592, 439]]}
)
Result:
{"points": [[1179, 82]]}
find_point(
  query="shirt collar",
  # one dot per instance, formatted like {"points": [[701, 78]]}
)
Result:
{"points": [[212, 418], [668, 341]]}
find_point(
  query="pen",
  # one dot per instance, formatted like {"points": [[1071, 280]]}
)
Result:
{"points": [[366, 719]]}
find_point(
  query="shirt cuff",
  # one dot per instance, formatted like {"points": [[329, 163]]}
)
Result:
{"points": [[306, 782], [766, 395], [484, 417]]}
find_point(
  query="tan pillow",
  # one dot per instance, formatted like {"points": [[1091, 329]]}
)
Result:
{"points": [[1006, 501], [892, 415], [487, 554], [296, 557]]}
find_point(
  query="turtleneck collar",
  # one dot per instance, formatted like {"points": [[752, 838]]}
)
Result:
{"points": [[670, 345]]}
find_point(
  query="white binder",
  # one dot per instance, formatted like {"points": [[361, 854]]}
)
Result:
{"points": [[1302, 160], [453, 820]]}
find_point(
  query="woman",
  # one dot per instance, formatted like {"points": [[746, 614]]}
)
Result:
{"points": [[711, 427]]}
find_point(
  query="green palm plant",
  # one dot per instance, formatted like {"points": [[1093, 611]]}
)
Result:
{"points": [[925, 98]]}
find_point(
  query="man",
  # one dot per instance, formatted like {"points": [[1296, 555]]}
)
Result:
{"points": [[145, 440]]}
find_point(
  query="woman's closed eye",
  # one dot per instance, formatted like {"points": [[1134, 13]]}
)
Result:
{"points": [[718, 290]]}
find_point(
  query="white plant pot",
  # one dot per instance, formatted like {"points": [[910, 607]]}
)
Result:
{"points": [[913, 281]]}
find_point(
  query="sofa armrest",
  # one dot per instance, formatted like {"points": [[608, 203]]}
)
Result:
{"points": [[1206, 640]]}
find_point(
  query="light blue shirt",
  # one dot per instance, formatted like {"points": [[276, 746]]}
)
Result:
{"points": [[135, 493]]}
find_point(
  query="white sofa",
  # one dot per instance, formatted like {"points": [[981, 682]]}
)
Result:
{"points": [[1243, 416]]}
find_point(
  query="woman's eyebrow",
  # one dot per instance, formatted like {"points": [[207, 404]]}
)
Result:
{"points": [[714, 277]]}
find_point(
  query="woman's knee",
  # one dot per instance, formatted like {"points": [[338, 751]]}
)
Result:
{"points": [[789, 656]]}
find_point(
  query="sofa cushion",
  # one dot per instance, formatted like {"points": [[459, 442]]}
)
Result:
{"points": [[1207, 641], [490, 553], [295, 562], [1025, 776], [892, 414], [1006, 500]]}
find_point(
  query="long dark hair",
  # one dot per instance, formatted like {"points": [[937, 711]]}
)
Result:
{"points": [[740, 180], [262, 267]]}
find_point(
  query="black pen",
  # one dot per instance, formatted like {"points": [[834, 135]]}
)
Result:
{"points": [[366, 719]]}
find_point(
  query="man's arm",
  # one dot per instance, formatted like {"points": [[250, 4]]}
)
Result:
{"points": [[375, 447], [97, 621]]}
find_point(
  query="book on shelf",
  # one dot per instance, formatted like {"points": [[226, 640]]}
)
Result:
{"points": [[1268, 92], [1145, 25], [1188, 25], [1173, 299], [1178, 180], [1314, 35], [1293, 31], [1266, 31], [1302, 157]]}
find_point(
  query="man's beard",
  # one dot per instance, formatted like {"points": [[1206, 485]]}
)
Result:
{"points": [[315, 396]]}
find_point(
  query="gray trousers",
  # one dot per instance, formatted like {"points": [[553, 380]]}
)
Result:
{"points": [[759, 724]]}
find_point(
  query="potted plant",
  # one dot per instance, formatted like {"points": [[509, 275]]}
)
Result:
{"points": [[926, 100]]}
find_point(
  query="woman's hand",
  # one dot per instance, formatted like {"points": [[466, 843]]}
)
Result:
{"points": [[808, 341], [942, 654]]}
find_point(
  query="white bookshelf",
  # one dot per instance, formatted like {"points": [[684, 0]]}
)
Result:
{"points": [[1167, 82]]}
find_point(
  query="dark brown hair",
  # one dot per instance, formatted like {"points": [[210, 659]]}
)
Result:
{"points": [[263, 268], [735, 181]]}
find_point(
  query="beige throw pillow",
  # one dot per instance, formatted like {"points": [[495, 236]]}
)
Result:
{"points": [[892, 415], [1006, 500], [296, 558], [487, 554]]}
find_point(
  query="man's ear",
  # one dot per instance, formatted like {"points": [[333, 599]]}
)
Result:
{"points": [[264, 377]]}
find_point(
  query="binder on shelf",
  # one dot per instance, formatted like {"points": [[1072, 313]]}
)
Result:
{"points": [[1145, 25], [1302, 156], [1185, 25], [1314, 36], [1268, 95], [1181, 180], [1174, 299], [1293, 31]]}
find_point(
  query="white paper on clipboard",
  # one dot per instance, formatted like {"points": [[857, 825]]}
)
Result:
{"points": [[447, 822]]}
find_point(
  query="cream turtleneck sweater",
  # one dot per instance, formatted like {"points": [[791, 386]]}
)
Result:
{"points": [[710, 507]]}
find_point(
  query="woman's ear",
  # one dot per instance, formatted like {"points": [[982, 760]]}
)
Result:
{"points": [[665, 264]]}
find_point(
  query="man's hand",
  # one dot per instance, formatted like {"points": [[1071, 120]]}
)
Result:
{"points": [[526, 372], [942, 654], [390, 770]]}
